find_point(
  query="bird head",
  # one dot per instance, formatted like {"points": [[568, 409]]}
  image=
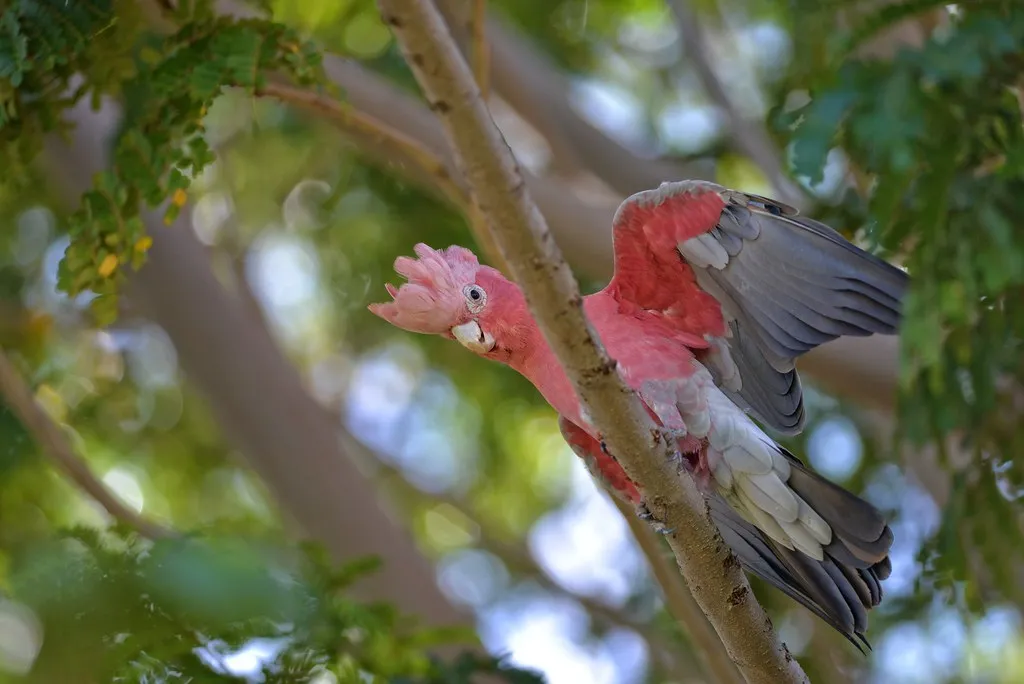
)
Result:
{"points": [[449, 293]]}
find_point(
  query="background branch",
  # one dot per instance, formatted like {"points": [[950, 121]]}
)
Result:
{"points": [[719, 585], [267, 415], [750, 137], [54, 444]]}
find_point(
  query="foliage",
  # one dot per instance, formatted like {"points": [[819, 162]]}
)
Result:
{"points": [[161, 146], [939, 131], [934, 134], [44, 44], [117, 608]]}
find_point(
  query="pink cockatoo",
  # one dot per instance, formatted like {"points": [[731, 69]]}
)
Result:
{"points": [[715, 294]]}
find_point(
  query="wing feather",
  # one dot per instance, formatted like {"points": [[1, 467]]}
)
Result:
{"points": [[784, 284]]}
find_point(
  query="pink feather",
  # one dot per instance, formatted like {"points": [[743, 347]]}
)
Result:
{"points": [[431, 302]]}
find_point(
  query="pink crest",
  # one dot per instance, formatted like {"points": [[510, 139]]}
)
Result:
{"points": [[431, 301]]}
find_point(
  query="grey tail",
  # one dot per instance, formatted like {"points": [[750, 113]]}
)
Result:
{"points": [[847, 583]]}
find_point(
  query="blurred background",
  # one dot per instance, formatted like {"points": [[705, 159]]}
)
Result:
{"points": [[245, 396]]}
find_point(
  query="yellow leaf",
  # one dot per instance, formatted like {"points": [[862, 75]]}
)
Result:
{"points": [[179, 198], [143, 244], [108, 265], [52, 402]]}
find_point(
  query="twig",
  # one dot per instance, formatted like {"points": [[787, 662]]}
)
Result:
{"points": [[368, 129], [481, 51], [368, 132], [718, 583], [52, 442], [751, 137], [680, 601]]}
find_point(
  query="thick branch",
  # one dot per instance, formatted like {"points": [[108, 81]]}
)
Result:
{"points": [[715, 577], [750, 136], [55, 445]]}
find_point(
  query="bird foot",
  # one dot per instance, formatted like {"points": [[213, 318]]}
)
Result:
{"points": [[644, 513]]}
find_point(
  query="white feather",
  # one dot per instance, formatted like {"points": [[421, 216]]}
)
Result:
{"points": [[703, 251], [765, 522], [814, 523], [741, 459], [720, 469], [802, 539], [770, 494]]}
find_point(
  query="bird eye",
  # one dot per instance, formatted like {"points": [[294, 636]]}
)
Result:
{"points": [[476, 298]]}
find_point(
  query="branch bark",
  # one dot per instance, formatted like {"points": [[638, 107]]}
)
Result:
{"points": [[257, 396], [54, 444], [718, 583]]}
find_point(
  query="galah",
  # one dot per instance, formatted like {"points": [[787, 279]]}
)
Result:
{"points": [[715, 294]]}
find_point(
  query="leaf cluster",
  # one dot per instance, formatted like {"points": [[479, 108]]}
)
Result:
{"points": [[53, 53], [939, 131], [935, 136]]}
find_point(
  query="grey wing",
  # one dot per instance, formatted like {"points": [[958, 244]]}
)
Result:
{"points": [[786, 285]]}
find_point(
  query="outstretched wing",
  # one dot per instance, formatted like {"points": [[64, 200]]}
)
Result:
{"points": [[761, 284]]}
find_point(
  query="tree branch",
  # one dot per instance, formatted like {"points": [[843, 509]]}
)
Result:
{"points": [[718, 583], [750, 137], [368, 132], [54, 444]]}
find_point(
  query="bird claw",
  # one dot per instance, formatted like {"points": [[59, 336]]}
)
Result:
{"points": [[644, 513]]}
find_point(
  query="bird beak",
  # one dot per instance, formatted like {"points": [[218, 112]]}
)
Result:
{"points": [[473, 338]]}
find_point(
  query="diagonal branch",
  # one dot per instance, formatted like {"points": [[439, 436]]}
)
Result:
{"points": [[382, 141], [55, 445], [750, 137], [718, 583]]}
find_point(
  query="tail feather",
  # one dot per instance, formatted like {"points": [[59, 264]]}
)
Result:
{"points": [[846, 582], [862, 537], [839, 594]]}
